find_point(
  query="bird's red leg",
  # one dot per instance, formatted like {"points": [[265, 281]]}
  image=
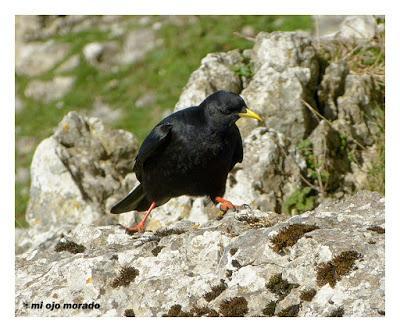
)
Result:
{"points": [[225, 204], [140, 226]]}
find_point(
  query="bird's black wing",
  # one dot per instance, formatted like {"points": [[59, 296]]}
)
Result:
{"points": [[156, 140], [238, 152]]}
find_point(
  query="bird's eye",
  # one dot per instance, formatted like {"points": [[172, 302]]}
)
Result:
{"points": [[225, 111]]}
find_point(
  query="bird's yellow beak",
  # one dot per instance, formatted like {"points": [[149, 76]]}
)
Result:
{"points": [[250, 114]]}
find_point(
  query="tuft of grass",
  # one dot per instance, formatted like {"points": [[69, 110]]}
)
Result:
{"points": [[362, 58], [204, 312], [244, 70]]}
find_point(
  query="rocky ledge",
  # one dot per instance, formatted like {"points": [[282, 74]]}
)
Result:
{"points": [[328, 262]]}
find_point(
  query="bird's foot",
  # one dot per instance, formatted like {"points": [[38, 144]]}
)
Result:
{"points": [[224, 206], [138, 228]]}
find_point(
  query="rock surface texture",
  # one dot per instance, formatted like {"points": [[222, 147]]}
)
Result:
{"points": [[328, 262]]}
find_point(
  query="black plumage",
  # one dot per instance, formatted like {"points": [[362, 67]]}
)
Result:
{"points": [[190, 152]]}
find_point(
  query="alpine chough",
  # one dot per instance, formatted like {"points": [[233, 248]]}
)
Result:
{"points": [[190, 152]]}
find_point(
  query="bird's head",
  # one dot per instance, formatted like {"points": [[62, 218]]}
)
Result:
{"points": [[224, 108]]}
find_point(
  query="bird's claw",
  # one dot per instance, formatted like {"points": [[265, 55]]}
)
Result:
{"points": [[225, 206], [134, 229], [221, 214]]}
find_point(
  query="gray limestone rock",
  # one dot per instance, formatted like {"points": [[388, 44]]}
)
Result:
{"points": [[77, 170], [48, 91], [286, 75], [137, 44], [215, 73], [357, 108], [110, 55], [103, 56], [331, 159], [282, 50], [268, 174], [327, 25], [235, 266], [331, 87], [359, 28], [33, 59]]}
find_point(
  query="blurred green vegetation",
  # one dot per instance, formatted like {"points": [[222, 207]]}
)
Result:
{"points": [[376, 171], [165, 70], [303, 199]]}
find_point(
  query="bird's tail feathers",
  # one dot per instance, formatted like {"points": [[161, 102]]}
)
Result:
{"points": [[135, 200]]}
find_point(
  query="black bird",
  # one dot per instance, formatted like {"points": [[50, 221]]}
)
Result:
{"points": [[190, 152]]}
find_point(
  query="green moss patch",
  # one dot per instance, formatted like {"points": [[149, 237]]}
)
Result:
{"points": [[339, 312], [308, 295], [269, 309], [129, 313], [176, 311], [235, 263], [334, 270], [377, 229], [126, 276], [233, 251], [156, 250], [204, 312], [291, 311], [168, 232], [279, 286], [234, 307], [289, 236], [69, 246], [215, 291]]}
